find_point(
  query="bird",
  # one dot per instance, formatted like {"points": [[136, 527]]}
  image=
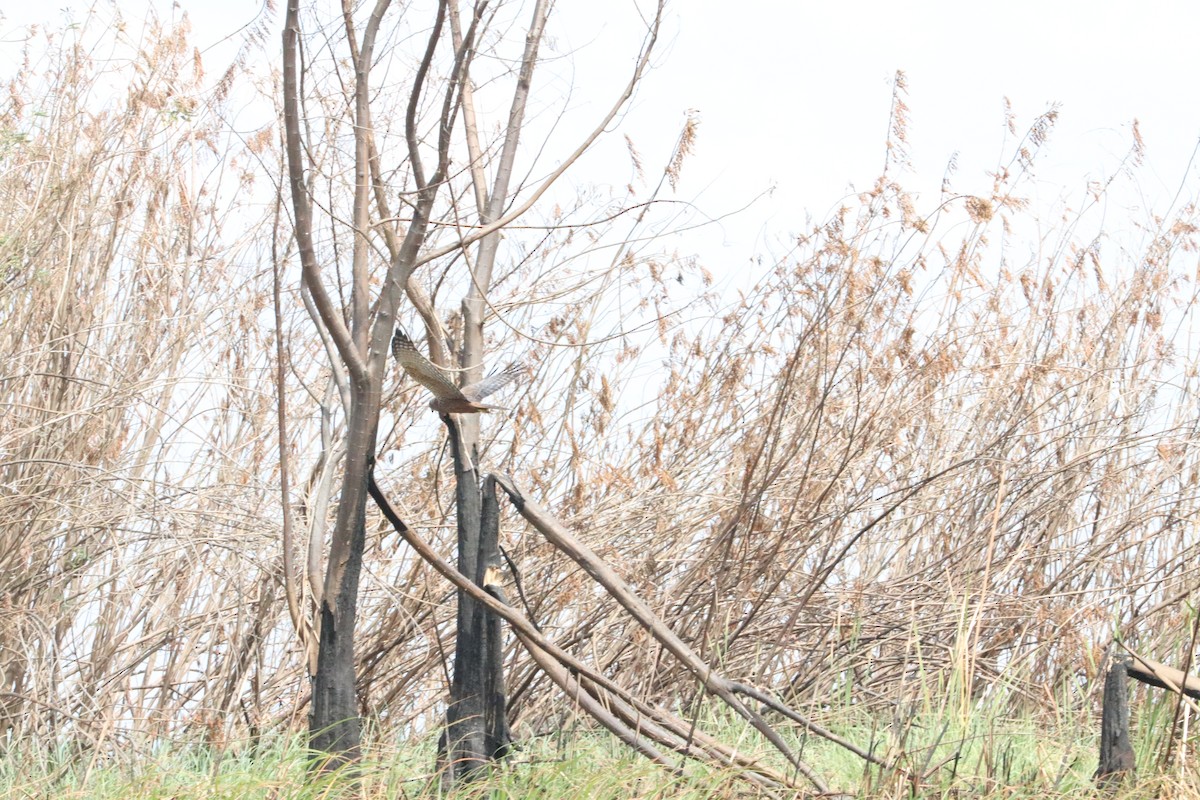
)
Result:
{"points": [[448, 398]]}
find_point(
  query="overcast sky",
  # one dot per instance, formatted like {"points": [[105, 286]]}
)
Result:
{"points": [[794, 96]]}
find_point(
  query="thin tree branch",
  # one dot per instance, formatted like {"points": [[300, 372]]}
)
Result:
{"points": [[363, 135], [414, 100], [289, 566], [302, 207], [516, 213]]}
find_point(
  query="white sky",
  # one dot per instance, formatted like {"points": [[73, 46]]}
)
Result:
{"points": [[795, 95]]}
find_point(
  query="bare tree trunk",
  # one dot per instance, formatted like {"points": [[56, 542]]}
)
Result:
{"points": [[464, 746], [497, 736], [476, 725], [1116, 752], [475, 730], [362, 347]]}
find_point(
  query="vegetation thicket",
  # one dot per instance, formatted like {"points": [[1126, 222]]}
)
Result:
{"points": [[916, 480]]}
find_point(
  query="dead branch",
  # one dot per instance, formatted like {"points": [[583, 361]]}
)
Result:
{"points": [[1155, 673], [582, 555], [597, 694]]}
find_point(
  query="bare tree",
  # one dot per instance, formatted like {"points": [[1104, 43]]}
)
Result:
{"points": [[443, 144]]}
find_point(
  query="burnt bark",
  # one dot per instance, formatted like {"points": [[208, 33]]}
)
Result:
{"points": [[1116, 751], [476, 726], [334, 724], [497, 736]]}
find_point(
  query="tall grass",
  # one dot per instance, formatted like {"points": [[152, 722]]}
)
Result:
{"points": [[989, 754]]}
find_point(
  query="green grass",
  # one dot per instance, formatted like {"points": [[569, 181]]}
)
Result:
{"points": [[980, 754]]}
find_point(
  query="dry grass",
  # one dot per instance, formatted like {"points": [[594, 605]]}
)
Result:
{"points": [[930, 461]]}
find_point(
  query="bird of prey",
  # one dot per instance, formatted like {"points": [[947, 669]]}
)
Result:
{"points": [[448, 398]]}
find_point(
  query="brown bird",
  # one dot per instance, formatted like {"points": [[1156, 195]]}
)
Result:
{"points": [[448, 398]]}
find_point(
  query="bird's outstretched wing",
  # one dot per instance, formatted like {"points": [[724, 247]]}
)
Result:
{"points": [[493, 383], [424, 371]]}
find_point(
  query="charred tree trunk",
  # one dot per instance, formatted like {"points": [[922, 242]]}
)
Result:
{"points": [[497, 736], [463, 744], [333, 723], [1116, 751], [476, 725]]}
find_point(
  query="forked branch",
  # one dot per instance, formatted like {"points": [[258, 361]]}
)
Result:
{"points": [[301, 205], [485, 229]]}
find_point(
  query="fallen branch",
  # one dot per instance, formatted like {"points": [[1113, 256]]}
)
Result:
{"points": [[611, 705], [558, 535], [1154, 673]]}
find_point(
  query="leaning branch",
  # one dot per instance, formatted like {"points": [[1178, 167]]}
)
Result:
{"points": [[593, 565], [1155, 673], [614, 707], [289, 567]]}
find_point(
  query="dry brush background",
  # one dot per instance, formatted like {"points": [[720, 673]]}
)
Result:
{"points": [[938, 442]]}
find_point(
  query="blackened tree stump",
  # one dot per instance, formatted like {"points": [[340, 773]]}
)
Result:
{"points": [[1116, 750]]}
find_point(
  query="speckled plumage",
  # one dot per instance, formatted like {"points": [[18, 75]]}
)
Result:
{"points": [[447, 397]]}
